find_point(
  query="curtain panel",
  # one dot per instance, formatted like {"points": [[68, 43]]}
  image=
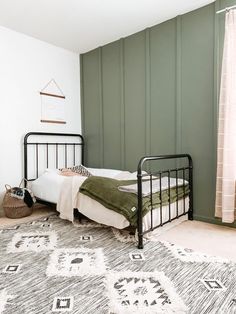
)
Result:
{"points": [[226, 147]]}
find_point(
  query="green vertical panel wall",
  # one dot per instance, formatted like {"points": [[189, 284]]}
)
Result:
{"points": [[134, 98], [91, 110], [163, 88], [197, 101], [156, 92], [111, 105]]}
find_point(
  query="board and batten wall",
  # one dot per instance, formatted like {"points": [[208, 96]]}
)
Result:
{"points": [[156, 92]]}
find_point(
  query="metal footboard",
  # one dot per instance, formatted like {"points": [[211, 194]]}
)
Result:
{"points": [[185, 173]]}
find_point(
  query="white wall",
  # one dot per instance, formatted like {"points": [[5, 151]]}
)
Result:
{"points": [[26, 65]]}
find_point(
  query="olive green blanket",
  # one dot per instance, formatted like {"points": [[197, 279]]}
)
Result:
{"points": [[105, 191]]}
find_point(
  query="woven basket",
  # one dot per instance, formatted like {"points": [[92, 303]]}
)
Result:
{"points": [[14, 207]]}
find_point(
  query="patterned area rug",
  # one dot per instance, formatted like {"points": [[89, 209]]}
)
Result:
{"points": [[52, 266]]}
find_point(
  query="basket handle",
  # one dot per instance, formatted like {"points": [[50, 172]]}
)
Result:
{"points": [[7, 187]]}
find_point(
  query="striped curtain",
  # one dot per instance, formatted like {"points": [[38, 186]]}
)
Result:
{"points": [[226, 149]]}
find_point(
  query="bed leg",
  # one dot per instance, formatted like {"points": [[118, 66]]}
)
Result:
{"points": [[77, 214], [190, 215], [140, 241]]}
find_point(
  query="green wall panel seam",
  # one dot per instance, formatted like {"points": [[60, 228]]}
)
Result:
{"points": [[101, 107], [178, 80], [122, 105], [147, 93]]}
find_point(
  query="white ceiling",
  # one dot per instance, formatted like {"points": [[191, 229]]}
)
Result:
{"points": [[82, 25]]}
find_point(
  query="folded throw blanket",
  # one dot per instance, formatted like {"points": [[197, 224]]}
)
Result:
{"points": [[106, 192], [146, 187]]}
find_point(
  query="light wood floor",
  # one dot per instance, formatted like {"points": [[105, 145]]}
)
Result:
{"points": [[39, 212], [196, 235], [204, 237]]}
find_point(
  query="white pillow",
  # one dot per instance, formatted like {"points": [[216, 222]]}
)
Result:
{"points": [[47, 186], [109, 173]]}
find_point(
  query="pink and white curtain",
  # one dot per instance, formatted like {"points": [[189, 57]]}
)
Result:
{"points": [[226, 150]]}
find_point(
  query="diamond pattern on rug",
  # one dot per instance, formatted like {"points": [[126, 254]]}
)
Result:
{"points": [[213, 284], [136, 256], [12, 269], [142, 292], [63, 304], [188, 255], [86, 238], [36, 242], [76, 262]]}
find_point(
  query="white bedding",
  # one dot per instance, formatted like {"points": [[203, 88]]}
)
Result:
{"points": [[48, 186]]}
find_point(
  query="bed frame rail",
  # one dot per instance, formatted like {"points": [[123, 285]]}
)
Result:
{"points": [[184, 173]]}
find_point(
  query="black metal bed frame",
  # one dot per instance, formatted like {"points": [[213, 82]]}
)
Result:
{"points": [[176, 171], [186, 173], [56, 145]]}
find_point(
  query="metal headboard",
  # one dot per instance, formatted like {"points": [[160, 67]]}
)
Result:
{"points": [[41, 144]]}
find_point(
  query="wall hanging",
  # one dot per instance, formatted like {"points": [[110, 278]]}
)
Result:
{"points": [[52, 103]]}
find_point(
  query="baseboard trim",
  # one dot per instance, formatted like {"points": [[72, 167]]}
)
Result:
{"points": [[215, 221]]}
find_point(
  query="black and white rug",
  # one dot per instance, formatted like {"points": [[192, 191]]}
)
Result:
{"points": [[51, 266]]}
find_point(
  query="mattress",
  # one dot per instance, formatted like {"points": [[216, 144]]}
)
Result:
{"points": [[109, 217], [48, 186]]}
